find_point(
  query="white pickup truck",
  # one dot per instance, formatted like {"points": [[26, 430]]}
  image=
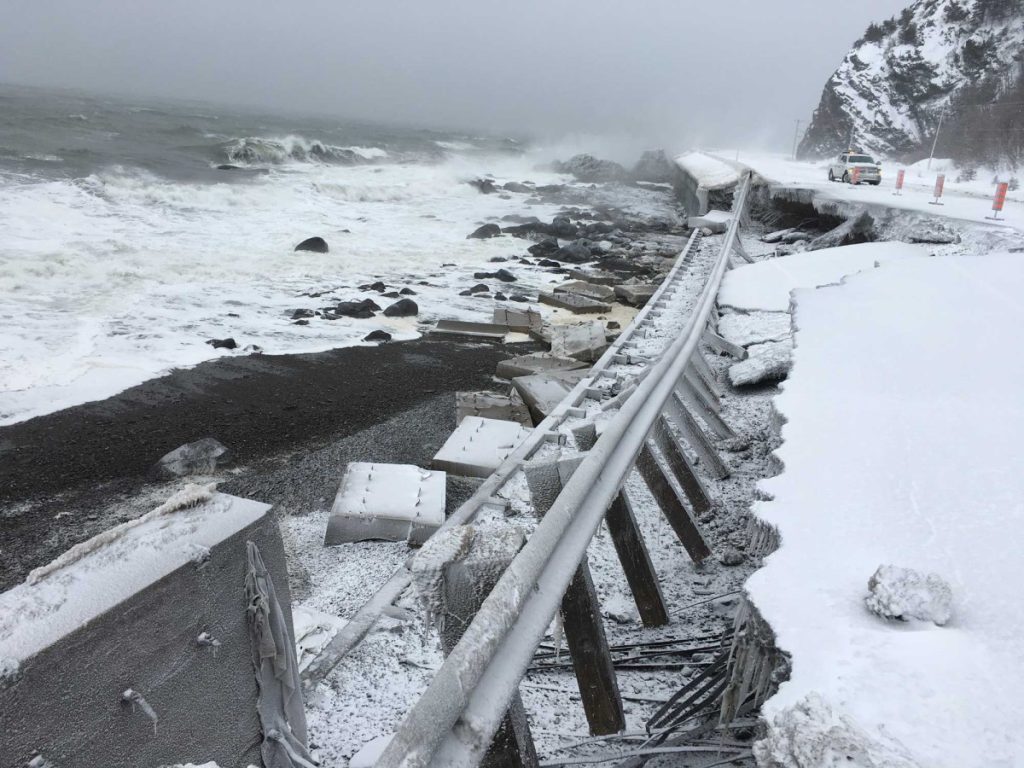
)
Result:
{"points": [[870, 171]]}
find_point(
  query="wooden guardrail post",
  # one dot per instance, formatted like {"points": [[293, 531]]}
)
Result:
{"points": [[636, 561], [671, 504]]}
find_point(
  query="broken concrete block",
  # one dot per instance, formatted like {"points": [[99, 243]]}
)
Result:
{"points": [[390, 502], [491, 405], [635, 295], [716, 221], [146, 623], [769, 361], [578, 305], [478, 446], [526, 365], [543, 391], [587, 290], [199, 458], [472, 330], [598, 277], [580, 341], [519, 320]]}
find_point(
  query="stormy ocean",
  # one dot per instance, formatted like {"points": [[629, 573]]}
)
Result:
{"points": [[131, 234]]}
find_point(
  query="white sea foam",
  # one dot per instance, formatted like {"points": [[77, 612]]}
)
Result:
{"points": [[112, 279]]}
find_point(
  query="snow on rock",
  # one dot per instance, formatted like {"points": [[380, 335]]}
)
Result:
{"points": [[812, 734], [746, 328], [766, 285], [901, 444], [770, 361], [903, 593]]}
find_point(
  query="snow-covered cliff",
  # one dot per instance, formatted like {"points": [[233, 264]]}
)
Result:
{"points": [[892, 86]]}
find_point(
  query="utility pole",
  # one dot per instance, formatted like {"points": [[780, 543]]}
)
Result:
{"points": [[796, 135], [936, 139]]}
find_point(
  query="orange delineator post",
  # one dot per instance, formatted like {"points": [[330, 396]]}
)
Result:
{"points": [[899, 181], [999, 200], [940, 182]]}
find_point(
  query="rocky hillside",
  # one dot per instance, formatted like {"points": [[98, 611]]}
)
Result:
{"points": [[904, 72]]}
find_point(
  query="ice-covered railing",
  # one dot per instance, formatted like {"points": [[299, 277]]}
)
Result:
{"points": [[456, 718], [363, 620]]}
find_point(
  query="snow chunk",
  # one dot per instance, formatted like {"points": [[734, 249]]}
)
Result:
{"points": [[811, 734], [313, 631], [745, 328], [766, 285], [903, 593], [770, 361], [370, 753]]}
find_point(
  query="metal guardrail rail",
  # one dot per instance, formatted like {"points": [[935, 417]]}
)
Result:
{"points": [[363, 620], [456, 718]]}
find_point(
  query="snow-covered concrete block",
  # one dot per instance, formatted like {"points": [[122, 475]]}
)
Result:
{"points": [[716, 221], [635, 294], [492, 405], [580, 341], [578, 305], [746, 328], [770, 361], [472, 330], [588, 290], [390, 502], [478, 446], [520, 320], [543, 391], [903, 593], [527, 365], [133, 648]]}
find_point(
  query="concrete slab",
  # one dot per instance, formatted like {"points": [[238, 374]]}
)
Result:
{"points": [[471, 330], [635, 295], [518, 320], [526, 365], [587, 290], [478, 446], [543, 391], [580, 341], [598, 277], [716, 221], [146, 620], [491, 405], [580, 305], [389, 502]]}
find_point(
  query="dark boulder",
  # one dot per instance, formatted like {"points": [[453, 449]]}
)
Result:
{"points": [[549, 263], [227, 343], [299, 314], [484, 232], [588, 168], [544, 247], [515, 186], [563, 228], [516, 218], [361, 310], [505, 276], [518, 297], [402, 308], [377, 336], [301, 322], [391, 295], [484, 186], [576, 252], [199, 458], [315, 244], [480, 288], [407, 292], [500, 297]]}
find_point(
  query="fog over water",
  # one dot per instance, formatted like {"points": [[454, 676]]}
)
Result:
{"points": [[660, 72]]}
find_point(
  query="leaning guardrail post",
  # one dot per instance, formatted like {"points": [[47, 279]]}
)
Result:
{"points": [[581, 616], [682, 468], [453, 574], [690, 397], [722, 346], [694, 435], [636, 561], [672, 506]]}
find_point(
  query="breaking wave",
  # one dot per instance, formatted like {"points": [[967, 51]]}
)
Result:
{"points": [[296, 149]]}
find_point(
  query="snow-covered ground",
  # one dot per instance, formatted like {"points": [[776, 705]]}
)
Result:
{"points": [[901, 447], [967, 201]]}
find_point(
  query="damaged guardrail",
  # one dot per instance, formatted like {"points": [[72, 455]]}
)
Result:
{"points": [[456, 718]]}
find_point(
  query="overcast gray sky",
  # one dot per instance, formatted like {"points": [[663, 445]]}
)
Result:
{"points": [[716, 72]]}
